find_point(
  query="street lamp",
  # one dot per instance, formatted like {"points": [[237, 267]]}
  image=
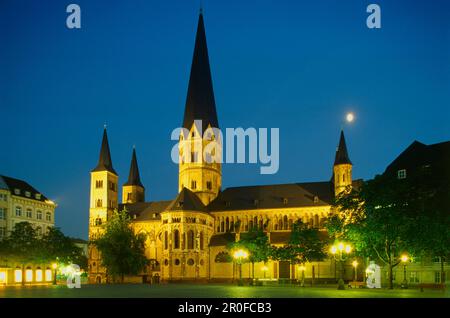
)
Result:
{"points": [[355, 266], [239, 256], [54, 266], [404, 260], [302, 268], [339, 251]]}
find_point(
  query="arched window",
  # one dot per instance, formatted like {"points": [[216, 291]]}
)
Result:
{"points": [[285, 222], [222, 226], [316, 220], [255, 221], [232, 229], [190, 240], [227, 224], [99, 203], [250, 225], [166, 240], [261, 224], [280, 224], [201, 241], [176, 239]]}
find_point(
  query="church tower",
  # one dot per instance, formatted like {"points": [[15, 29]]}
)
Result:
{"points": [[103, 201], [133, 191], [200, 148], [342, 169]]}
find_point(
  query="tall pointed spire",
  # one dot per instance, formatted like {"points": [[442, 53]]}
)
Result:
{"points": [[200, 103], [104, 160], [341, 152], [134, 177]]}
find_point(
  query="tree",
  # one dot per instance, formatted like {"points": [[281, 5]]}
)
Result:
{"points": [[60, 248], [256, 243], [122, 251], [22, 246], [305, 245], [376, 219]]}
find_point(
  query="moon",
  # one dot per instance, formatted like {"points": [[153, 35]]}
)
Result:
{"points": [[350, 117]]}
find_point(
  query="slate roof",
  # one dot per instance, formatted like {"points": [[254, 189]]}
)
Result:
{"points": [[104, 160], [341, 152], [186, 200], [11, 184], [222, 239], [435, 157], [134, 177], [144, 211], [274, 196], [200, 102]]}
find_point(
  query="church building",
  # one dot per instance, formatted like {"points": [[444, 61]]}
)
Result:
{"points": [[187, 236]]}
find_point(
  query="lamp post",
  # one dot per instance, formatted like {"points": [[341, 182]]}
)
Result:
{"points": [[339, 252], [404, 260], [54, 266], [239, 256], [302, 268], [355, 266]]}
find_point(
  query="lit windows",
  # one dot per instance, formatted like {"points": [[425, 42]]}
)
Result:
{"points": [[401, 174], [28, 275], [39, 275], [2, 213], [48, 216], [39, 215], [18, 276], [3, 197], [18, 211], [437, 277], [29, 213], [48, 275], [414, 277]]}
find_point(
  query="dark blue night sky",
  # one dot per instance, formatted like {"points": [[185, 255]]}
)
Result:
{"points": [[296, 65]]}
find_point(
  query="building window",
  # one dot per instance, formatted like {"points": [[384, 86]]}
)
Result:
{"points": [[437, 277], [177, 262], [190, 240], [37, 196], [48, 275], [166, 240], [28, 274], [39, 274], [3, 197], [316, 199], [193, 184], [2, 213], [27, 194], [18, 211], [201, 240], [39, 215], [99, 203], [48, 216], [209, 185], [18, 276], [401, 174], [17, 191], [414, 277], [190, 262], [98, 221], [176, 239], [29, 213], [112, 186]]}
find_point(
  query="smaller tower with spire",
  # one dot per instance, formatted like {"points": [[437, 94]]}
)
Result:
{"points": [[342, 169], [133, 191]]}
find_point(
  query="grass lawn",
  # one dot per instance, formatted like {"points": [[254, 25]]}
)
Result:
{"points": [[210, 291]]}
